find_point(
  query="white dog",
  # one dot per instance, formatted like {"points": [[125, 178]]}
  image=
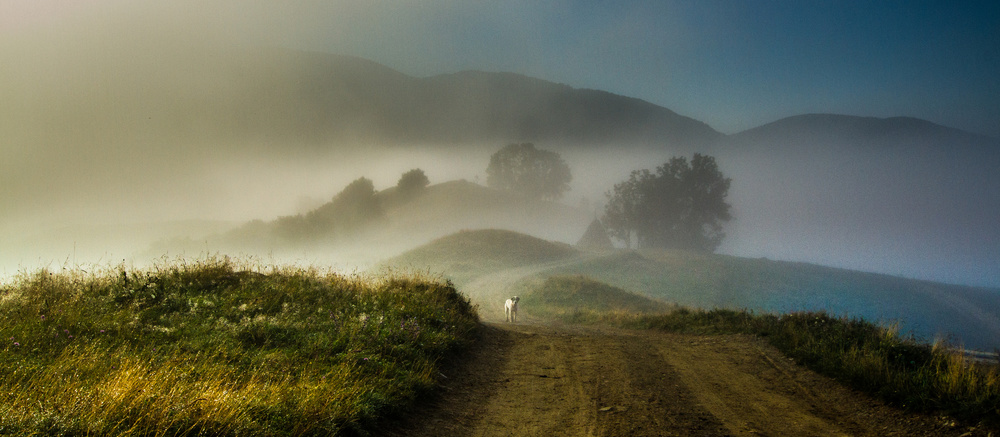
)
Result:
{"points": [[510, 308]]}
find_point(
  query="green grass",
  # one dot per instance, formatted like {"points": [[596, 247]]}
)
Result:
{"points": [[581, 299], [468, 254], [219, 348], [924, 309]]}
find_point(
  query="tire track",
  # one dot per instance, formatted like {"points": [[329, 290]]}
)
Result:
{"points": [[539, 380]]}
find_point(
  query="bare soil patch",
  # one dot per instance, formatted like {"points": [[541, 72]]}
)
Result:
{"points": [[530, 379]]}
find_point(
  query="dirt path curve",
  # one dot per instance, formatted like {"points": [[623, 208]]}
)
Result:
{"points": [[535, 380]]}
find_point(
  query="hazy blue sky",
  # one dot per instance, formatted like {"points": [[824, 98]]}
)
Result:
{"points": [[732, 64]]}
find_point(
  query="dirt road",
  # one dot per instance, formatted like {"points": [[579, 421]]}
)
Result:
{"points": [[531, 379]]}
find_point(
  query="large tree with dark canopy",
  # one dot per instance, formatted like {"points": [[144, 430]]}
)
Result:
{"points": [[412, 182], [682, 205], [535, 173]]}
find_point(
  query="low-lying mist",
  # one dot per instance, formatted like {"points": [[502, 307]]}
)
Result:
{"points": [[115, 138], [864, 213]]}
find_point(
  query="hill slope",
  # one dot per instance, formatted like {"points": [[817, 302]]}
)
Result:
{"points": [[468, 255], [201, 94], [926, 309], [333, 233], [896, 195]]}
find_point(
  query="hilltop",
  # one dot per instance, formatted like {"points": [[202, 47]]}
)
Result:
{"points": [[467, 255]]}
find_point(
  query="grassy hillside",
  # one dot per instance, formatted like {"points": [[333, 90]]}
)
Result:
{"points": [[578, 298], [467, 255], [389, 224], [448, 207], [965, 315], [217, 348], [928, 310]]}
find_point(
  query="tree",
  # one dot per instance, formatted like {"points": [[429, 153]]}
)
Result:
{"points": [[622, 214], [681, 206], [412, 181], [352, 208], [521, 168]]}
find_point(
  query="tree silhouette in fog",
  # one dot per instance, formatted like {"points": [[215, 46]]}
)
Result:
{"points": [[355, 207], [535, 173], [412, 182], [681, 206]]}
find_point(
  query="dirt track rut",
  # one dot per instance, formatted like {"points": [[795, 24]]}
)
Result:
{"points": [[535, 380]]}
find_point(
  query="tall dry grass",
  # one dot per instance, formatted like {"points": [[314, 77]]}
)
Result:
{"points": [[220, 348]]}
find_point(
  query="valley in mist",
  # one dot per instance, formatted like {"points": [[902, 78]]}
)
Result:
{"points": [[136, 147], [123, 131]]}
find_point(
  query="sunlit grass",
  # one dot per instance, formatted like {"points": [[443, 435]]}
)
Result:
{"points": [[466, 255], [581, 299], [217, 348]]}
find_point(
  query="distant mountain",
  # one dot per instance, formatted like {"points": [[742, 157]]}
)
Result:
{"points": [[475, 105], [860, 131], [341, 97], [198, 94], [898, 195]]}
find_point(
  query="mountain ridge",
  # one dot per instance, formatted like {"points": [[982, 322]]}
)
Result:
{"points": [[283, 94], [859, 127]]}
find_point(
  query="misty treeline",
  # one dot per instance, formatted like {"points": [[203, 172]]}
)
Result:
{"points": [[523, 169], [357, 206], [518, 168], [682, 205]]}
